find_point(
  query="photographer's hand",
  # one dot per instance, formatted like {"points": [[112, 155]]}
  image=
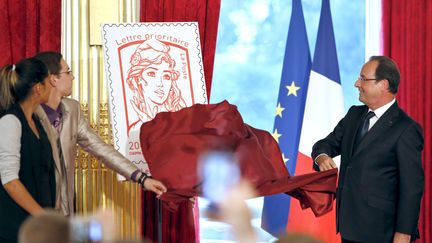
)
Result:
{"points": [[234, 211]]}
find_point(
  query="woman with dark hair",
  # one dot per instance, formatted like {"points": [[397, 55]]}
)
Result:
{"points": [[26, 163]]}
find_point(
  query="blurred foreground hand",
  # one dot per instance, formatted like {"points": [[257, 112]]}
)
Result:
{"points": [[234, 211]]}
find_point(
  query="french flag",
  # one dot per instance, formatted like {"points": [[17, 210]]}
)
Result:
{"points": [[322, 109]]}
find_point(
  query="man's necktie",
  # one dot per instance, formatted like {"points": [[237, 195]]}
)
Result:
{"points": [[57, 123], [363, 129]]}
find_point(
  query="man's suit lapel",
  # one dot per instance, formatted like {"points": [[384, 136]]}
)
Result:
{"points": [[52, 136], [381, 126]]}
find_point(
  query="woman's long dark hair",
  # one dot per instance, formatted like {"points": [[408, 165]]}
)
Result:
{"points": [[16, 81]]}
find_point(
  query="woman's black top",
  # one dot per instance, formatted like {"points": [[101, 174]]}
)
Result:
{"points": [[36, 174]]}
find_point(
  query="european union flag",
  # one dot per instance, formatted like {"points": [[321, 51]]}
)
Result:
{"points": [[289, 113]]}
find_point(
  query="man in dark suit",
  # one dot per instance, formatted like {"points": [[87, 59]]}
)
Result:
{"points": [[381, 177]]}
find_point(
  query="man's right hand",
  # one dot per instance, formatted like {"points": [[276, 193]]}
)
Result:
{"points": [[325, 162]]}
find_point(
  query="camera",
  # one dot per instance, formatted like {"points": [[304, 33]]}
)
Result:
{"points": [[86, 229]]}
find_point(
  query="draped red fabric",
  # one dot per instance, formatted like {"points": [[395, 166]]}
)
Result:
{"points": [[173, 142], [407, 27], [206, 13], [177, 227], [28, 27]]}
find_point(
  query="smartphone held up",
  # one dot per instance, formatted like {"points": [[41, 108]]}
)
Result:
{"points": [[219, 171]]}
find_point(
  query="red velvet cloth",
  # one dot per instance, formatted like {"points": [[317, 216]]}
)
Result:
{"points": [[205, 12], [177, 227], [407, 29], [28, 27], [173, 141]]}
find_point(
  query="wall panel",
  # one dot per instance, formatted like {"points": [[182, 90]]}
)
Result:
{"points": [[96, 187]]}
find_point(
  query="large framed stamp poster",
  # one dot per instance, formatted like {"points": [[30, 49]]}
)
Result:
{"points": [[150, 68]]}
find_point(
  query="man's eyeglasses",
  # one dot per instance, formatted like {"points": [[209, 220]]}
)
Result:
{"points": [[67, 72], [366, 79]]}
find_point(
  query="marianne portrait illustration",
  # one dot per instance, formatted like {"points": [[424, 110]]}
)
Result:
{"points": [[153, 78], [151, 68]]}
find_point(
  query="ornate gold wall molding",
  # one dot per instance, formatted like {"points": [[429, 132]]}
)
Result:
{"points": [[96, 186]]}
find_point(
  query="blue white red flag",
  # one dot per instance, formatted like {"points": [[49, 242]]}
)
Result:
{"points": [[321, 109]]}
